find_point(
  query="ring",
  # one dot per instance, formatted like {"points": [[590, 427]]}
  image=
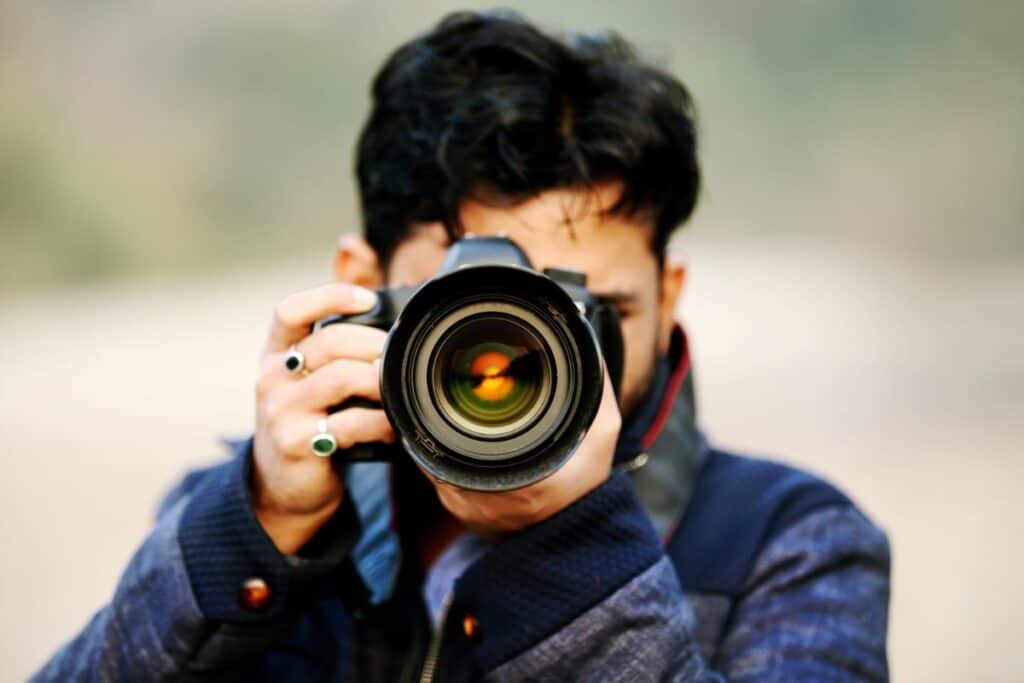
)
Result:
{"points": [[323, 443], [294, 361]]}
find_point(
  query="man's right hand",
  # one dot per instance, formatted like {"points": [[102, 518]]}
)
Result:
{"points": [[294, 491]]}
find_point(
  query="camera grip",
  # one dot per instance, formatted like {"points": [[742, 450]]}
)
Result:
{"points": [[380, 317], [371, 318]]}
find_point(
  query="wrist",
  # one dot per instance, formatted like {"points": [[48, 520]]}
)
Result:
{"points": [[289, 530]]}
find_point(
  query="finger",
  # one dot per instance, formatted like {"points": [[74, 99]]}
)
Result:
{"points": [[297, 312], [348, 427], [335, 382], [360, 425], [335, 342]]}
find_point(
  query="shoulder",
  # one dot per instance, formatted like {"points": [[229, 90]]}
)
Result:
{"points": [[744, 510]]}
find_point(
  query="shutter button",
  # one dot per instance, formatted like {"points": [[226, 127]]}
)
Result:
{"points": [[255, 593]]}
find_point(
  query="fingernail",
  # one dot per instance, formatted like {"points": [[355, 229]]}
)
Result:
{"points": [[365, 297]]}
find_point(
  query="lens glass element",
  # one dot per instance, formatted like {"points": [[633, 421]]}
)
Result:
{"points": [[493, 375]]}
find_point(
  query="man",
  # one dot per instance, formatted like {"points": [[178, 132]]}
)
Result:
{"points": [[649, 556]]}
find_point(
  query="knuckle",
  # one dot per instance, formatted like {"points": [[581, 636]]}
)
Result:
{"points": [[326, 343], [342, 434], [344, 440], [342, 293], [340, 337], [284, 312], [264, 382], [339, 380], [273, 409], [384, 429], [291, 450], [292, 440], [271, 363], [278, 441], [346, 294]]}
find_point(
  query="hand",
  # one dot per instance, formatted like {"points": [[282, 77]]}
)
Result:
{"points": [[492, 514], [294, 491]]}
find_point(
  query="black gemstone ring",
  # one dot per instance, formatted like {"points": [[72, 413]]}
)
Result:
{"points": [[294, 361]]}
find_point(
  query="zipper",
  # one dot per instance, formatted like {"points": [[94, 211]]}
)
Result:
{"points": [[635, 463], [434, 649]]}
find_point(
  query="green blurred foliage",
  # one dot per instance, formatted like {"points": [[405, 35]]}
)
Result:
{"points": [[141, 139]]}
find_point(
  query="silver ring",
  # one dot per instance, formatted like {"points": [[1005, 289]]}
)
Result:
{"points": [[323, 443], [294, 361]]}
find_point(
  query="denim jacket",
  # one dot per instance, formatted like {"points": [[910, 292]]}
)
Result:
{"points": [[688, 564]]}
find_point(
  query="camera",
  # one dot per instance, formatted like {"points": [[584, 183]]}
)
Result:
{"points": [[492, 371]]}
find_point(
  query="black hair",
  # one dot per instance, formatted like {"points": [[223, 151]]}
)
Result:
{"points": [[486, 106]]}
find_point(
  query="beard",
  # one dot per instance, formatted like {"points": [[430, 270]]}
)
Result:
{"points": [[636, 383]]}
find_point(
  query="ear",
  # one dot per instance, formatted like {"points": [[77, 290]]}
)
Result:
{"points": [[356, 262], [673, 279]]}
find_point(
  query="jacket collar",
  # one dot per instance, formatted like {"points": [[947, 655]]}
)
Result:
{"points": [[660, 445]]}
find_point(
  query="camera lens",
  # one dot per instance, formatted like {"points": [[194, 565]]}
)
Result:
{"points": [[490, 380], [492, 376]]}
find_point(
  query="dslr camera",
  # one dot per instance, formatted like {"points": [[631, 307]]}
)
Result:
{"points": [[492, 371]]}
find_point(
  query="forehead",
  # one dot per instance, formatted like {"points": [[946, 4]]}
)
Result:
{"points": [[563, 228]]}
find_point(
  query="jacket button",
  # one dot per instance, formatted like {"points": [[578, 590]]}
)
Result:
{"points": [[254, 593], [470, 626]]}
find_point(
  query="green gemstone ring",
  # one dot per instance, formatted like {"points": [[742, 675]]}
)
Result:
{"points": [[323, 443]]}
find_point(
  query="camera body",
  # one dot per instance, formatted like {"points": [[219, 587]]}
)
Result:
{"points": [[492, 372]]}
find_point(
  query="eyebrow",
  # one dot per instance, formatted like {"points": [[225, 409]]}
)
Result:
{"points": [[617, 296]]}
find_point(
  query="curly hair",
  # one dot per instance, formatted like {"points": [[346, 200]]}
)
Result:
{"points": [[485, 106]]}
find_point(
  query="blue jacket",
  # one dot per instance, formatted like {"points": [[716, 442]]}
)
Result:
{"points": [[688, 564]]}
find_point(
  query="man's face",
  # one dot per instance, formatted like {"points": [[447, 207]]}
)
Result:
{"points": [[569, 229]]}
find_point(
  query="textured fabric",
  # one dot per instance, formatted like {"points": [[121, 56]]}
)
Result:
{"points": [[536, 581], [814, 609], [151, 627], [377, 552], [738, 504], [439, 582], [317, 646], [223, 545], [673, 444], [710, 619], [590, 593], [815, 606], [667, 480], [636, 424], [640, 633]]}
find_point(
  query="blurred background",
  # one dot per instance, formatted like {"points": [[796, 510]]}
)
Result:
{"points": [[168, 171]]}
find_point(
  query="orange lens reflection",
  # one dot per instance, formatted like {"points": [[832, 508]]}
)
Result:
{"points": [[493, 385]]}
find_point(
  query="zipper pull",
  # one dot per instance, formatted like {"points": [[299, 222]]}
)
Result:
{"points": [[434, 649]]}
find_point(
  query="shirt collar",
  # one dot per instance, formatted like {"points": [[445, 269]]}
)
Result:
{"points": [[660, 444], [670, 390]]}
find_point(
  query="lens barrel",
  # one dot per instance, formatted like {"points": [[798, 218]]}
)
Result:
{"points": [[491, 376]]}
